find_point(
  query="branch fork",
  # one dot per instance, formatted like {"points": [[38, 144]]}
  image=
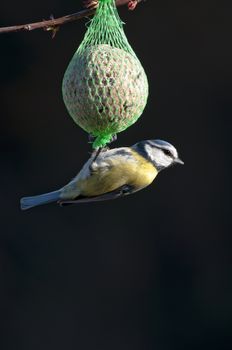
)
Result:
{"points": [[53, 24]]}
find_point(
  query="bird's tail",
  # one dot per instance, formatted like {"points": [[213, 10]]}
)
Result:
{"points": [[29, 202]]}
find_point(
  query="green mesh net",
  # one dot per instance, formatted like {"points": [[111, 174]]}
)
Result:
{"points": [[105, 88]]}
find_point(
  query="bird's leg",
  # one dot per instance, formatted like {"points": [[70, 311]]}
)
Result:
{"points": [[96, 153], [100, 149]]}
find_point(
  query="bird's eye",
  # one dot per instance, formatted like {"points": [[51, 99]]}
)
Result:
{"points": [[167, 153]]}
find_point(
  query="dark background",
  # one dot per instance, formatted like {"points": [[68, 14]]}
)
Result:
{"points": [[151, 271]]}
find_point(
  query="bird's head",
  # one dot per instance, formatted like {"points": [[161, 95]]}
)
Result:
{"points": [[161, 153]]}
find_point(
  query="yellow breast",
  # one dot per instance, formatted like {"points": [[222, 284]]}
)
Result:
{"points": [[138, 173], [135, 171], [144, 173]]}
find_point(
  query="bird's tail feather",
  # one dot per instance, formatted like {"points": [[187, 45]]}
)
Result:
{"points": [[29, 202]]}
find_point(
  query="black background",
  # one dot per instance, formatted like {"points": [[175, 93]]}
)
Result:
{"points": [[151, 271]]}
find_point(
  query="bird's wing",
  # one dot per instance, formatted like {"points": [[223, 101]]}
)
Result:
{"points": [[104, 175], [105, 158], [119, 192], [102, 162]]}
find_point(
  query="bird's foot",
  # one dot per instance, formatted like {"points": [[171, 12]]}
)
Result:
{"points": [[91, 139], [114, 138]]}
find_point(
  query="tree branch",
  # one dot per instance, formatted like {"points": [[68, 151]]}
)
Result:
{"points": [[53, 24]]}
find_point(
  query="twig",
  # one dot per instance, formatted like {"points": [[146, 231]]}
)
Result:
{"points": [[53, 24]]}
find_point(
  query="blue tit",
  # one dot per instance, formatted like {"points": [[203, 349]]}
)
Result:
{"points": [[113, 173]]}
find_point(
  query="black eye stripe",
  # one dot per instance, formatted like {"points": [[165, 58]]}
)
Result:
{"points": [[165, 150], [141, 147], [167, 153]]}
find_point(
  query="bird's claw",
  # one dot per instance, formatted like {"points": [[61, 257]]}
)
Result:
{"points": [[92, 138]]}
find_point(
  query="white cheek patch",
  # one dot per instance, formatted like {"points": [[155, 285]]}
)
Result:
{"points": [[158, 157], [150, 151]]}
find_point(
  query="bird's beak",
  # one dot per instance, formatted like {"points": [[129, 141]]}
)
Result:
{"points": [[179, 161]]}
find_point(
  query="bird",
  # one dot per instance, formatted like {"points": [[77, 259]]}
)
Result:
{"points": [[112, 173]]}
